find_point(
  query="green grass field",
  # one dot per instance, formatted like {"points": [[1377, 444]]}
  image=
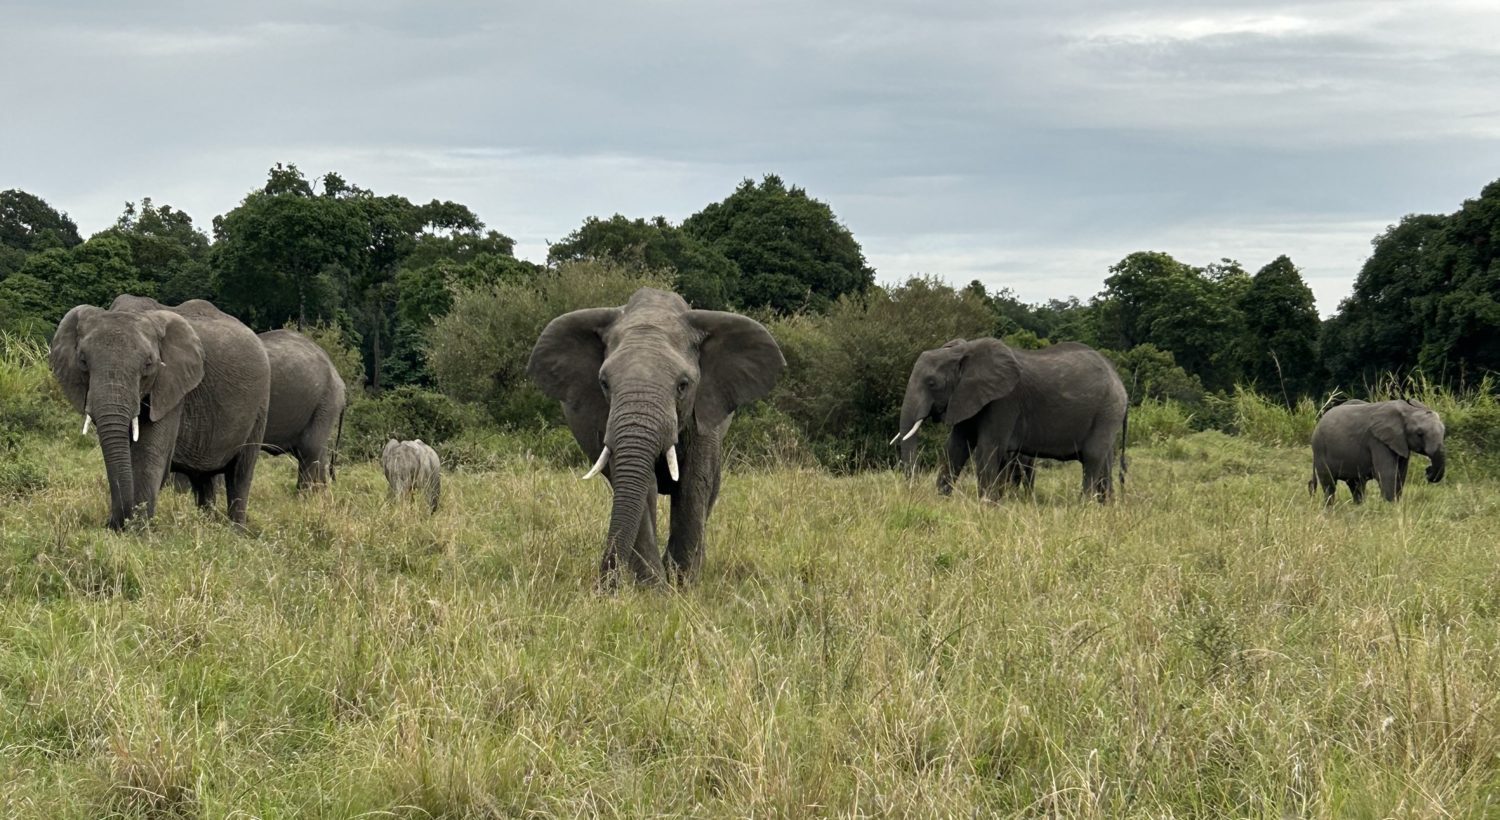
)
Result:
{"points": [[1215, 644]]}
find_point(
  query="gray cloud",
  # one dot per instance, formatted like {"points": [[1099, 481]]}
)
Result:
{"points": [[1016, 143]]}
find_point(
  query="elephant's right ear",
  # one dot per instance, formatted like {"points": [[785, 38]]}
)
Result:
{"points": [[63, 356], [565, 364], [1389, 428], [988, 371]]}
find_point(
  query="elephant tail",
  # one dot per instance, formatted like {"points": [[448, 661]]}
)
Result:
{"points": [[1124, 437], [333, 457]]}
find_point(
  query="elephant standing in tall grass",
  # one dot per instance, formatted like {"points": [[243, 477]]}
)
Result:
{"points": [[1357, 441], [648, 390], [169, 388], [1008, 407], [306, 406]]}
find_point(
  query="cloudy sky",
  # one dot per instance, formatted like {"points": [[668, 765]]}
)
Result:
{"points": [[1028, 145]]}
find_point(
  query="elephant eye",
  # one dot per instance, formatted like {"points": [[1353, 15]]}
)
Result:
{"points": [[604, 385], [682, 385]]}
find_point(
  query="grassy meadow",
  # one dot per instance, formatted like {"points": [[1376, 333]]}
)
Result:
{"points": [[1214, 644]]}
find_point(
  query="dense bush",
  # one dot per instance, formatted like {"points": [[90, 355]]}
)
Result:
{"points": [[479, 350], [847, 370], [1152, 373], [403, 413]]}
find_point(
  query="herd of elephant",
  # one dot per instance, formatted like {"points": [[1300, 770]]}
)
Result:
{"points": [[648, 390]]}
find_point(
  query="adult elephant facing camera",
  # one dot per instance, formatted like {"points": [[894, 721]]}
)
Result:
{"points": [[181, 388], [1010, 406], [648, 390]]}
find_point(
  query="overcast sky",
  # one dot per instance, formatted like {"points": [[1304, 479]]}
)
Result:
{"points": [[1028, 145]]}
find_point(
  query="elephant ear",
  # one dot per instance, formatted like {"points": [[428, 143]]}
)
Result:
{"points": [[63, 355], [738, 362], [565, 364], [988, 371], [181, 366], [1389, 428]]}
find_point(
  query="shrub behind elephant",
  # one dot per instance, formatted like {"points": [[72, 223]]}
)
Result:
{"points": [[1358, 441], [649, 390], [412, 467], [170, 388], [1008, 407]]}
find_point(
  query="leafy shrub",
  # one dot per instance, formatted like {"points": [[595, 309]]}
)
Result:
{"points": [[847, 370], [30, 400], [762, 436], [487, 448], [1154, 421], [1152, 373], [1270, 422], [480, 349], [403, 413]]}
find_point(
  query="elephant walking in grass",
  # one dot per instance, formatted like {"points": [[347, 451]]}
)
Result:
{"points": [[169, 388], [1009, 407], [412, 467], [649, 390], [306, 407], [1357, 441]]}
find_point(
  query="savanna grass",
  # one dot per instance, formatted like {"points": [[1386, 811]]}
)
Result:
{"points": [[1214, 644]]}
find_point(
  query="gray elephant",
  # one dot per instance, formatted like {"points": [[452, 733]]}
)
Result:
{"points": [[307, 405], [649, 390], [1007, 406], [1358, 441], [169, 388], [410, 467]]}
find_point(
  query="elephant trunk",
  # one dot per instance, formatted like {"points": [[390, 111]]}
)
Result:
{"points": [[115, 422], [914, 409], [1439, 466], [637, 437]]}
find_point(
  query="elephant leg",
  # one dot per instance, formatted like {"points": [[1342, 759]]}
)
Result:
{"points": [[203, 490], [150, 460], [989, 462], [956, 456], [240, 473], [645, 556], [1356, 489], [1387, 467], [1329, 486], [1401, 465], [692, 503]]}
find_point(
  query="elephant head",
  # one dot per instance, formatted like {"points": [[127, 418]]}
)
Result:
{"points": [[1408, 427], [115, 365], [638, 381], [952, 384]]}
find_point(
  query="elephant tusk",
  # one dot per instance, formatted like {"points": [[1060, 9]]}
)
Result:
{"points": [[672, 461], [598, 465], [895, 438], [135, 429], [86, 419], [912, 431]]}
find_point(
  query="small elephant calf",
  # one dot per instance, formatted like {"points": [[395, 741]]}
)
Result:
{"points": [[411, 466]]}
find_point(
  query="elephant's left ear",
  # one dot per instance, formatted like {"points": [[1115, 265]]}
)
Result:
{"points": [[738, 362], [1389, 427], [181, 365]]}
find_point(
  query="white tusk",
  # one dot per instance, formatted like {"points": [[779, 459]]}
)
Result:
{"points": [[598, 465], [135, 429], [895, 438], [672, 461], [86, 420], [912, 431]]}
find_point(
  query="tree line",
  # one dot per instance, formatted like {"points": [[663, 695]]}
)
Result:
{"points": [[384, 271]]}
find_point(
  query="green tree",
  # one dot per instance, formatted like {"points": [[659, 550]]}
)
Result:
{"points": [[1281, 317], [52, 282], [1460, 307], [1382, 326], [167, 250], [701, 274], [29, 225], [791, 251]]}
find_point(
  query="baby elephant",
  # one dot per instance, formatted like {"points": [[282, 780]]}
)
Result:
{"points": [[411, 466], [1358, 441]]}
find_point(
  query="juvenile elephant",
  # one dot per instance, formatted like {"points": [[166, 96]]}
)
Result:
{"points": [[1008, 407], [306, 407], [1358, 441], [411, 467], [170, 388], [648, 390]]}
